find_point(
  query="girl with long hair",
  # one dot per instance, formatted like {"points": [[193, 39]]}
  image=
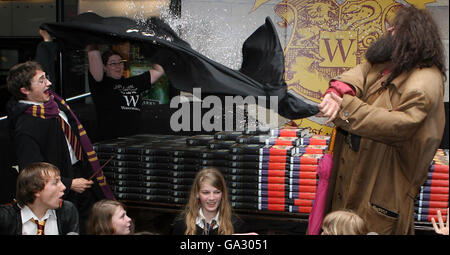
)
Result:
{"points": [[208, 211], [108, 217]]}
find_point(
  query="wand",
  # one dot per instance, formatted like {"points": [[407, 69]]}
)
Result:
{"points": [[96, 172]]}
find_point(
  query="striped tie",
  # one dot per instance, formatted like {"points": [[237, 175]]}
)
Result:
{"points": [[40, 226], [208, 227], [71, 137]]}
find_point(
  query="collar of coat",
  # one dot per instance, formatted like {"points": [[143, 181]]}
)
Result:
{"points": [[398, 81]]}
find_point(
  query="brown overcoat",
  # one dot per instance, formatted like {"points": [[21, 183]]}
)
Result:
{"points": [[401, 127]]}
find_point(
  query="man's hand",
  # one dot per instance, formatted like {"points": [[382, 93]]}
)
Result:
{"points": [[441, 229], [79, 185], [45, 35], [330, 106], [156, 72]]}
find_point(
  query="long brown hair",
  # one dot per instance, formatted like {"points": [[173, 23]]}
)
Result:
{"points": [[214, 178], [417, 42], [100, 219]]}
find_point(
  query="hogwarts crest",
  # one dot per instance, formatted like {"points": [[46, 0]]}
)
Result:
{"points": [[329, 37]]}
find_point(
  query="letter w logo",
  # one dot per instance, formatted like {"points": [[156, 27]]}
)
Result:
{"points": [[132, 99], [339, 43]]}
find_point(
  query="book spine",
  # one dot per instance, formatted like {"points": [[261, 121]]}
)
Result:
{"points": [[305, 160], [434, 190], [431, 204], [429, 211], [439, 168], [285, 187], [433, 197], [427, 217], [303, 167], [436, 183], [438, 176]]}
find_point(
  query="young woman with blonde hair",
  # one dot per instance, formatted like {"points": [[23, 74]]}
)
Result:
{"points": [[208, 211]]}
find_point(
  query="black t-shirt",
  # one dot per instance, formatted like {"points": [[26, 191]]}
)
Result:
{"points": [[118, 104]]}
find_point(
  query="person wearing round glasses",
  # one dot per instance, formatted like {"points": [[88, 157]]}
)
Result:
{"points": [[117, 99]]}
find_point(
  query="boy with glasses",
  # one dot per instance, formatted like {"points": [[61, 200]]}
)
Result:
{"points": [[45, 129]]}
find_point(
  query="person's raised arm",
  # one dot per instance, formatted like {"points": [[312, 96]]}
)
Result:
{"points": [[155, 73], [46, 54], [95, 62]]}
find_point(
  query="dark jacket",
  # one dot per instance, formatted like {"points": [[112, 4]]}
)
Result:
{"points": [[11, 222], [42, 140], [39, 140]]}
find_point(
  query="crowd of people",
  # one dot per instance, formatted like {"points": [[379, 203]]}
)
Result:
{"points": [[39, 209], [388, 111]]}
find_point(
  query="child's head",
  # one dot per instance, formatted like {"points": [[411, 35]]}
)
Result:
{"points": [[108, 217], [343, 223], [40, 183], [209, 189], [209, 192]]}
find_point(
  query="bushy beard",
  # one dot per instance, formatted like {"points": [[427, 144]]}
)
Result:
{"points": [[381, 50]]}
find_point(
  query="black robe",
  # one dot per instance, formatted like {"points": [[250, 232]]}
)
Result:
{"points": [[261, 72], [42, 140]]}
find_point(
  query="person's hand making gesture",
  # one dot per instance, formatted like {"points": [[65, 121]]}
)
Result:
{"points": [[441, 229]]}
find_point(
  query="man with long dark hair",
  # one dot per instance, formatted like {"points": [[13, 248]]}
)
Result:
{"points": [[390, 117]]}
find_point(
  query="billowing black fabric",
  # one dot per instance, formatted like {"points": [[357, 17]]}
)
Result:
{"points": [[261, 73]]}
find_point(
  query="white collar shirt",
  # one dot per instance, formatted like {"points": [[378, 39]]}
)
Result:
{"points": [[201, 218], [29, 227]]}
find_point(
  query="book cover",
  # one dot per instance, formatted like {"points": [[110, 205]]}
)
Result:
{"points": [[227, 135], [188, 152], [155, 185], [180, 187], [138, 190], [220, 145], [199, 140], [249, 139], [216, 154], [312, 149], [294, 132], [256, 131], [283, 141]]}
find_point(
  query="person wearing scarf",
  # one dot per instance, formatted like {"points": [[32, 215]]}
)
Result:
{"points": [[36, 116]]}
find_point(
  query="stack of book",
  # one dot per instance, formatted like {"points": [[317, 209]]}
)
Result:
{"points": [[265, 169], [275, 170], [156, 168], [433, 194]]}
